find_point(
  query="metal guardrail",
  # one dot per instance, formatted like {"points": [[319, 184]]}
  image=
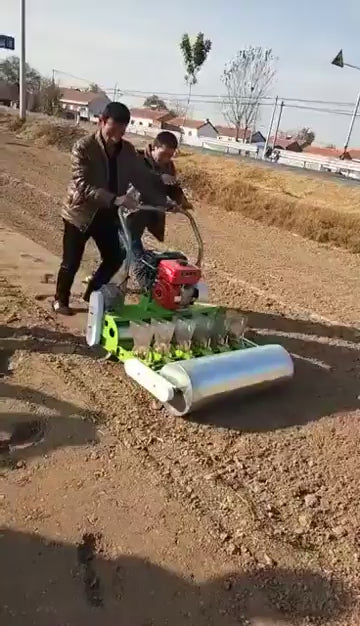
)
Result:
{"points": [[319, 163], [304, 160], [231, 147]]}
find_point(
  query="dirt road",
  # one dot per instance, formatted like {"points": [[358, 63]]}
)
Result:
{"points": [[248, 514]]}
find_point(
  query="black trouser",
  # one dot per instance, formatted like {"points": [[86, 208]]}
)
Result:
{"points": [[104, 229], [138, 253]]}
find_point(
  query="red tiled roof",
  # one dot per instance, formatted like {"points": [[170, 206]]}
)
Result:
{"points": [[284, 141], [333, 153], [80, 97], [230, 131], [227, 131], [355, 153], [179, 121], [150, 114]]}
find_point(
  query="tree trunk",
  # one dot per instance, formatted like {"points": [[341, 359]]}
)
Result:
{"points": [[186, 110]]}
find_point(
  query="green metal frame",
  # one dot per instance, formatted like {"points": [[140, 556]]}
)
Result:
{"points": [[144, 311]]}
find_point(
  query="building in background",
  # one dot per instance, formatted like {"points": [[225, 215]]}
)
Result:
{"points": [[192, 131], [9, 94], [228, 133], [84, 105], [143, 119], [287, 142]]}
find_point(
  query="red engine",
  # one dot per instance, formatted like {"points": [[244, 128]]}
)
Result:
{"points": [[175, 283]]}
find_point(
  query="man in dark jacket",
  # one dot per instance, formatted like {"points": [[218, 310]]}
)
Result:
{"points": [[103, 167], [158, 159]]}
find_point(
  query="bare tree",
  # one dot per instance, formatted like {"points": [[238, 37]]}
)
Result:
{"points": [[47, 98], [247, 79], [194, 54], [178, 108]]}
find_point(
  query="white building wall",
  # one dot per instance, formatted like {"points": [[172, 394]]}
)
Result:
{"points": [[140, 123], [226, 138]]}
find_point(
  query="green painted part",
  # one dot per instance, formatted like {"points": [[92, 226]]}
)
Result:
{"points": [[146, 309], [116, 327]]}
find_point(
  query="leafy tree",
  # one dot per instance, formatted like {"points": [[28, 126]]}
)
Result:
{"points": [[156, 103], [247, 79], [9, 72], [306, 136], [93, 88], [194, 55]]}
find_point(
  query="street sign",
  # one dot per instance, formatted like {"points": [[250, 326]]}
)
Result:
{"points": [[7, 42], [339, 59]]}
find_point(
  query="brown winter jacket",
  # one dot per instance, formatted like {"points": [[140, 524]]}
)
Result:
{"points": [[155, 221], [88, 190]]}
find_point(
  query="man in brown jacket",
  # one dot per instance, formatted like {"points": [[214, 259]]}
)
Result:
{"points": [[103, 166]]}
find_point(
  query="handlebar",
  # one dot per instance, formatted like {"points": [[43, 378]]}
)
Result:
{"points": [[127, 240]]}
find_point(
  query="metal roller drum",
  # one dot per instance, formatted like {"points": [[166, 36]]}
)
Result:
{"points": [[200, 380]]}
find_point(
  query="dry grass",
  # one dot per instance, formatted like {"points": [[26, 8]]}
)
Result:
{"points": [[62, 135], [43, 130], [322, 210], [314, 207]]}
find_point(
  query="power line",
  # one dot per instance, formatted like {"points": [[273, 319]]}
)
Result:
{"points": [[223, 100], [205, 98]]}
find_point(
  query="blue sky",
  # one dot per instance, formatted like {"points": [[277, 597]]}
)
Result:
{"points": [[135, 44]]}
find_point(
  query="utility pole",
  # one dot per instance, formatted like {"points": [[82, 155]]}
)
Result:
{"points": [[352, 122], [270, 127], [22, 67], [339, 62], [278, 122], [115, 92]]}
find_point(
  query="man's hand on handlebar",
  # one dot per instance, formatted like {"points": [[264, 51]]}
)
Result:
{"points": [[172, 207], [127, 201]]}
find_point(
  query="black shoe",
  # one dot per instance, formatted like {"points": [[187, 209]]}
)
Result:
{"points": [[62, 309]]}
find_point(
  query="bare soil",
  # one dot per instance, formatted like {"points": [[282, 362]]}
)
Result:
{"points": [[247, 513]]}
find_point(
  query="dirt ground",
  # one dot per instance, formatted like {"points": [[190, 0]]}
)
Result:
{"points": [[246, 514]]}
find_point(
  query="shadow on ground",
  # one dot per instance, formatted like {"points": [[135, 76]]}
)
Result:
{"points": [[75, 585], [69, 425], [38, 339], [326, 381]]}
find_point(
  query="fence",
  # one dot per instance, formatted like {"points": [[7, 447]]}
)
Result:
{"points": [[318, 163], [305, 160], [239, 147]]}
